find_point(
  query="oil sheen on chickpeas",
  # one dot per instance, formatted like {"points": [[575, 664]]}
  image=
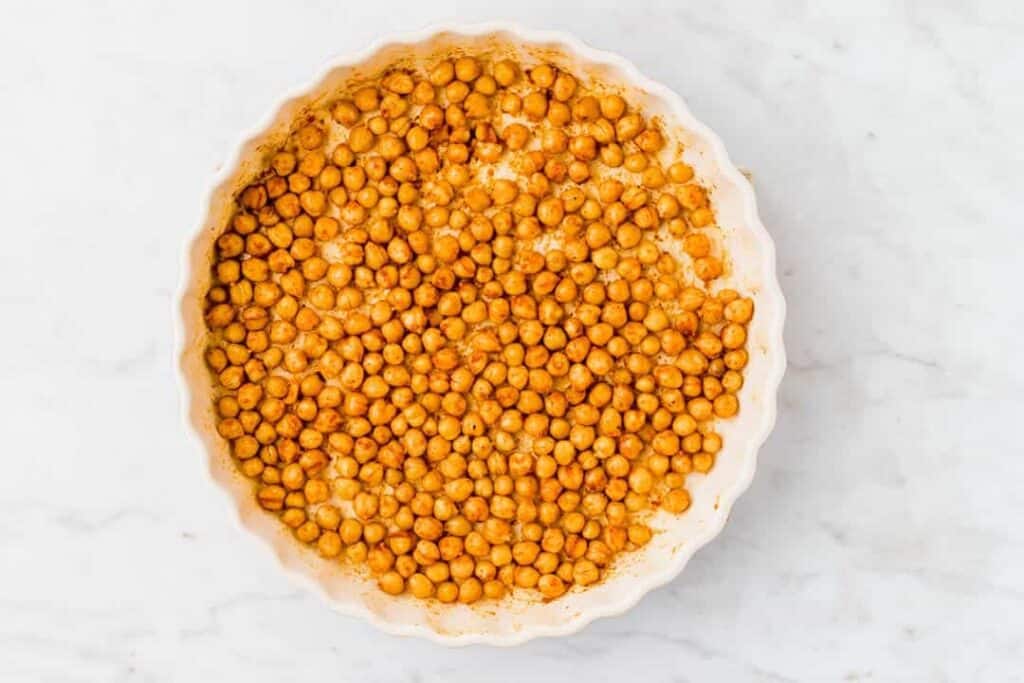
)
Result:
{"points": [[464, 330]]}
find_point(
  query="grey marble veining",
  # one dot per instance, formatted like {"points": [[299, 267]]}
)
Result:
{"points": [[883, 537]]}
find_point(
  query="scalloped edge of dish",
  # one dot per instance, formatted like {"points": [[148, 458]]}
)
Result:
{"points": [[771, 288]]}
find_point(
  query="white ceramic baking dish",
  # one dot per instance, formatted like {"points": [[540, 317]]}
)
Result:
{"points": [[752, 258]]}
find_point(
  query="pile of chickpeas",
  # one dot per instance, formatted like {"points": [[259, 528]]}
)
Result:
{"points": [[462, 330]]}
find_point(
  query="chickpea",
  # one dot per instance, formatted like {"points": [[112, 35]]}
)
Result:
{"points": [[640, 480], [736, 360], [391, 582], [707, 267], [420, 586], [329, 544], [550, 211], [271, 497], [692, 196], [307, 532], [293, 477], [726, 405], [535, 106], [551, 586], [628, 127], [734, 336], [697, 244], [692, 362], [680, 172], [447, 592], [732, 381], [466, 69], [676, 501], [739, 311], [506, 72], [708, 344], [366, 99], [310, 137], [702, 217], [612, 107]]}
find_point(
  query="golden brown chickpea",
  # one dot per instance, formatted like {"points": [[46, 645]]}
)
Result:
{"points": [[612, 107], [551, 586], [680, 172], [398, 82], [345, 112], [732, 381], [693, 196], [629, 127], [391, 582], [676, 501], [329, 544], [700, 408], [703, 462], [734, 336], [470, 590], [293, 477], [707, 268], [307, 532], [447, 592], [726, 405], [702, 217], [638, 534], [697, 244], [535, 106], [635, 162], [366, 99], [310, 137], [640, 480], [420, 586], [550, 211], [506, 72], [466, 69]]}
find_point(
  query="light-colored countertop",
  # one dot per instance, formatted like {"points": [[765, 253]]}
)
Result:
{"points": [[883, 537]]}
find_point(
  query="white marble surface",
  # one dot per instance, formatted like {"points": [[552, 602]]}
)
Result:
{"points": [[883, 538]]}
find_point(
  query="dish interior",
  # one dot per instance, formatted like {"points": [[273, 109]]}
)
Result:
{"points": [[750, 270]]}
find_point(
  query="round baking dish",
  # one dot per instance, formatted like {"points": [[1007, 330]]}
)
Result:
{"points": [[752, 271]]}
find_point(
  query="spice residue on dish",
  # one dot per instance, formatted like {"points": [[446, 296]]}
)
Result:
{"points": [[465, 330]]}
